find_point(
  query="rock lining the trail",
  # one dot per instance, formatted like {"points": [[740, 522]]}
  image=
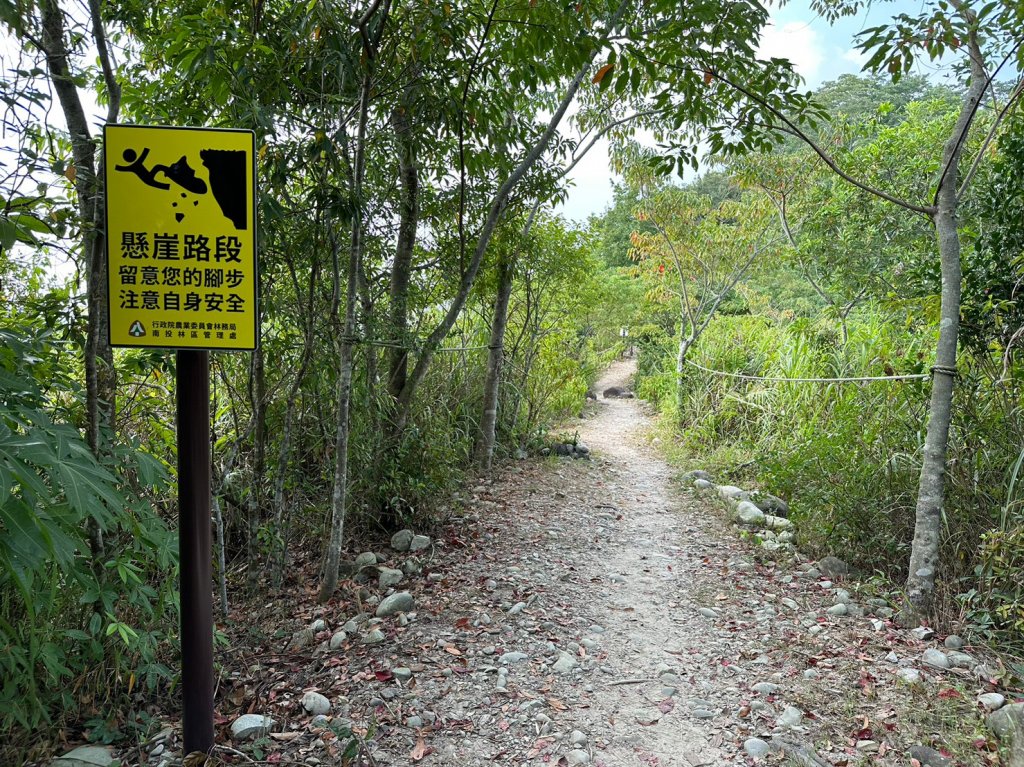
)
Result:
{"points": [[249, 726], [86, 756]]}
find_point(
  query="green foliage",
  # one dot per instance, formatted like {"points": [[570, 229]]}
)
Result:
{"points": [[858, 98], [847, 456], [565, 316], [995, 606], [68, 621], [614, 228], [993, 274]]}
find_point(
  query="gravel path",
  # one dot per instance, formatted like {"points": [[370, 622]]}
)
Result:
{"points": [[596, 579], [595, 574]]}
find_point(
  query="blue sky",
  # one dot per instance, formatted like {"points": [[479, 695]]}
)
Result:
{"points": [[819, 51]]}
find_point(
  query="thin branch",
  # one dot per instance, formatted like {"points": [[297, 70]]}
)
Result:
{"points": [[969, 176], [927, 210], [462, 131], [977, 67], [598, 136], [109, 78], [684, 299], [363, 32]]}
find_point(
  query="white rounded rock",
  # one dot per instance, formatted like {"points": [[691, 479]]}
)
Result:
{"points": [[991, 701], [315, 703], [401, 540], [756, 748], [251, 726]]}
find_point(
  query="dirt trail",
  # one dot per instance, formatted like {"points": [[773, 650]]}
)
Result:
{"points": [[658, 550], [595, 612]]}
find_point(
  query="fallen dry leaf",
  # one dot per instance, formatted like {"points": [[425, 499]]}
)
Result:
{"points": [[420, 750]]}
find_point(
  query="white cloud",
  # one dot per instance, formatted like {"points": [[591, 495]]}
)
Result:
{"points": [[796, 41], [856, 56]]}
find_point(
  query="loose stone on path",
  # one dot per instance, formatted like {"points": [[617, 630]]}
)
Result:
{"points": [[402, 602], [85, 756], [249, 726], [315, 703]]}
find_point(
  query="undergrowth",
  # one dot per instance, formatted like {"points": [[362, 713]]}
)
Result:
{"points": [[847, 456]]}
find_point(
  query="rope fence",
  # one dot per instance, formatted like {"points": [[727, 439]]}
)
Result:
{"points": [[852, 379]]}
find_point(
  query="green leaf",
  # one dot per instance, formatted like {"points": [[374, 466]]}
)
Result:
{"points": [[23, 535], [89, 489]]}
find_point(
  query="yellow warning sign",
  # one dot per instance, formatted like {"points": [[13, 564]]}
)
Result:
{"points": [[181, 237]]}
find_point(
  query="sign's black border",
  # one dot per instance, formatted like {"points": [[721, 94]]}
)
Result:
{"points": [[255, 239]]}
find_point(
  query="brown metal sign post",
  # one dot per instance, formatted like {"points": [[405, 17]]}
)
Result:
{"points": [[194, 548], [183, 274]]}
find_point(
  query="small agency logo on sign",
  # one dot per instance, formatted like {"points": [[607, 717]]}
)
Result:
{"points": [[181, 237]]}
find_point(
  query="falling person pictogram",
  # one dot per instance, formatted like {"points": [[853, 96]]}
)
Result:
{"points": [[227, 173]]}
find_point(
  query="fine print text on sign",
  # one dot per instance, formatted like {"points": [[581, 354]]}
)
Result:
{"points": [[181, 237]]}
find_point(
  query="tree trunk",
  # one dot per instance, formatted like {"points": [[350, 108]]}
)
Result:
{"points": [[339, 494], [685, 342], [254, 504], [924, 555], [398, 356], [100, 376], [222, 575], [496, 353]]}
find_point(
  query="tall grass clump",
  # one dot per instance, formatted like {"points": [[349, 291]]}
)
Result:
{"points": [[847, 455]]}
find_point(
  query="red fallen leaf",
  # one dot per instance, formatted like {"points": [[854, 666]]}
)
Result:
{"points": [[452, 650], [462, 623], [949, 692], [274, 758], [383, 676], [666, 705]]}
